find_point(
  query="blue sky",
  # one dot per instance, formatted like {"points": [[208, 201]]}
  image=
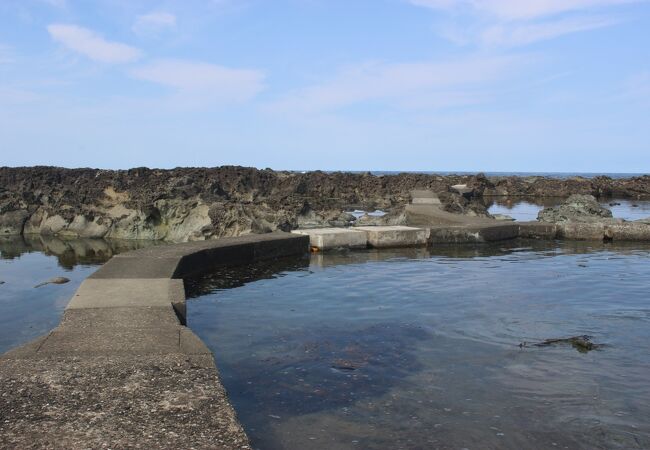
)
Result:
{"points": [[491, 85]]}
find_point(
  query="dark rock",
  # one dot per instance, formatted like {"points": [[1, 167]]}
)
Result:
{"points": [[207, 203], [577, 208], [581, 343]]}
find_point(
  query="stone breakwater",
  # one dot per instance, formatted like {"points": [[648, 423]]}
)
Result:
{"points": [[122, 370], [192, 204]]}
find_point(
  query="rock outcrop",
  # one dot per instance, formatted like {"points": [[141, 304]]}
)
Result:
{"points": [[577, 208], [204, 203]]}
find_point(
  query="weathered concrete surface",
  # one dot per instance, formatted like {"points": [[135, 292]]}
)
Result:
{"points": [[538, 230], [395, 236], [422, 215], [462, 234], [424, 197], [331, 238], [120, 371]]}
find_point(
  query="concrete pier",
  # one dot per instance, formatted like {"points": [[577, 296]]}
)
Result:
{"points": [[121, 370], [332, 238], [395, 236]]}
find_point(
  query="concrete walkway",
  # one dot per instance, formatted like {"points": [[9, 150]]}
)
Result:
{"points": [[121, 370]]}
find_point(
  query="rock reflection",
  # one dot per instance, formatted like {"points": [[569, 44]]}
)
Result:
{"points": [[69, 252]]}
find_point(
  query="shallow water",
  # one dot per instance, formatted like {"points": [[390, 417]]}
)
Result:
{"points": [[527, 209], [420, 349], [27, 312]]}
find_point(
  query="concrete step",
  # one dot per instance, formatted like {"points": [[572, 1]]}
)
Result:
{"points": [[395, 236], [331, 238]]}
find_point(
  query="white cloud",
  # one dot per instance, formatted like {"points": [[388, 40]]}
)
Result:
{"points": [[198, 79], [154, 22], [528, 33], [518, 9], [518, 22], [407, 85], [92, 45]]}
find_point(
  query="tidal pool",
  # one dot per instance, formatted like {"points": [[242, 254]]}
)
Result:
{"points": [[27, 312], [526, 209], [419, 349]]}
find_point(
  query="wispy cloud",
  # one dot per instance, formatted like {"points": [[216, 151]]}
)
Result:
{"points": [[518, 9], [203, 80], [92, 45], [528, 33], [405, 85], [518, 22], [154, 22]]}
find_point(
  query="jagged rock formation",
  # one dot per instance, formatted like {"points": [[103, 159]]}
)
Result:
{"points": [[577, 208], [203, 203]]}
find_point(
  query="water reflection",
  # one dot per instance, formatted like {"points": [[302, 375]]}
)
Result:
{"points": [[69, 252], [526, 208], [26, 312], [419, 348]]}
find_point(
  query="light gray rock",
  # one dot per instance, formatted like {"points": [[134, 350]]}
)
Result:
{"points": [[55, 280]]}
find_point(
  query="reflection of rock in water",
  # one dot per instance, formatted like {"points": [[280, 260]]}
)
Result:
{"points": [[310, 371], [70, 252], [228, 277]]}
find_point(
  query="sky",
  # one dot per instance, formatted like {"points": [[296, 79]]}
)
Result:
{"points": [[415, 85]]}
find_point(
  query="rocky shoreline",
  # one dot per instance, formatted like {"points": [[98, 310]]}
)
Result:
{"points": [[207, 203]]}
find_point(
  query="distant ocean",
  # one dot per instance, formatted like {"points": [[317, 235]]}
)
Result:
{"points": [[559, 175]]}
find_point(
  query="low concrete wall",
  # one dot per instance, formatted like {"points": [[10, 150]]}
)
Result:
{"points": [[121, 370], [463, 234]]}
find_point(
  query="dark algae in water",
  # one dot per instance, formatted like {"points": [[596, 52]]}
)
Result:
{"points": [[581, 343]]}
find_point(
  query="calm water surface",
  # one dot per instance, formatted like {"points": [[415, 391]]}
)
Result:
{"points": [[27, 312], [420, 349], [527, 209]]}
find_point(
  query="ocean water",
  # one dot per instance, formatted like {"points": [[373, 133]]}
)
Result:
{"points": [[27, 312], [414, 349]]}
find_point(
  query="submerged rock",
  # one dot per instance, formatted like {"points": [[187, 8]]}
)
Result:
{"points": [[56, 280], [576, 208], [581, 343]]}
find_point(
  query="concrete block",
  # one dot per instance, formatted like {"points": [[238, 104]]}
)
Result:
{"points": [[462, 189], [581, 231], [137, 267], [628, 231], [149, 341], [191, 344], [500, 232], [395, 236], [424, 197], [120, 293], [79, 319], [329, 238], [537, 230], [453, 235]]}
